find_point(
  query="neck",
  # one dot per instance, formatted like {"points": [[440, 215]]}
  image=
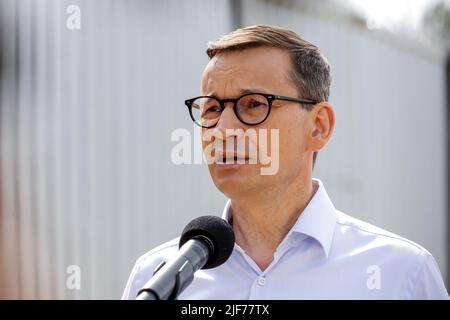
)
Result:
{"points": [[261, 221]]}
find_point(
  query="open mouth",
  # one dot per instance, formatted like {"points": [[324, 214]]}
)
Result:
{"points": [[231, 160], [234, 159]]}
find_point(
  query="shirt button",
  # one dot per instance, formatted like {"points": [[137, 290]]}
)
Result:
{"points": [[261, 281]]}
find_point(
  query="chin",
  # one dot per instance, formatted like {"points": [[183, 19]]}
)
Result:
{"points": [[236, 182]]}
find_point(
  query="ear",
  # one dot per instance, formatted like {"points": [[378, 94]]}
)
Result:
{"points": [[322, 120]]}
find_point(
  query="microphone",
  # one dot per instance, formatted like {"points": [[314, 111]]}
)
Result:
{"points": [[206, 242]]}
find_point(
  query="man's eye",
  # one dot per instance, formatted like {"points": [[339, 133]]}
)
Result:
{"points": [[212, 109], [254, 104]]}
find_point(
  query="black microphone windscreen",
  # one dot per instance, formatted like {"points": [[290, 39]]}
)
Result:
{"points": [[218, 231]]}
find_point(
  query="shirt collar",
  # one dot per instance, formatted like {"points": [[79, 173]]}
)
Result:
{"points": [[317, 220]]}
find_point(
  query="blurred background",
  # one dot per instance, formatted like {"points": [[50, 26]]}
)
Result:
{"points": [[91, 92]]}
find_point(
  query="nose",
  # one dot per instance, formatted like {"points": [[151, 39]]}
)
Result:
{"points": [[228, 120]]}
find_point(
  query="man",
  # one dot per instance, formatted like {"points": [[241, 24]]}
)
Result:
{"points": [[291, 242]]}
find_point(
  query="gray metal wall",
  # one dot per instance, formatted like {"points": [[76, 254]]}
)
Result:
{"points": [[86, 119]]}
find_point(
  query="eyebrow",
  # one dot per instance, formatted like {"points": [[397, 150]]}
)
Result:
{"points": [[243, 91]]}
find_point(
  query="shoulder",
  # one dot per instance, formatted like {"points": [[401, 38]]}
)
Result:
{"points": [[405, 265], [360, 233], [163, 251], [371, 249], [145, 266], [366, 244]]}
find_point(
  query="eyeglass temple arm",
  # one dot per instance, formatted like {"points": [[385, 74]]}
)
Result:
{"points": [[295, 99]]}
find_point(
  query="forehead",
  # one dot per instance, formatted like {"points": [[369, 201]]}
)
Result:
{"points": [[265, 68]]}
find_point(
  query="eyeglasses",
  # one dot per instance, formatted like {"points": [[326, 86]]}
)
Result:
{"points": [[250, 108]]}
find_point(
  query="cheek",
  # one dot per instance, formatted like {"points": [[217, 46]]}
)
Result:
{"points": [[292, 142]]}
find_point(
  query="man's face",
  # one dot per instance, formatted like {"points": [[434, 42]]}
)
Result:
{"points": [[262, 70]]}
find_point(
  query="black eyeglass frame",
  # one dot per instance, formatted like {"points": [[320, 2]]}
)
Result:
{"points": [[270, 98]]}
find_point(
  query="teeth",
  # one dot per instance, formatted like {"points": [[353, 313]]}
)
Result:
{"points": [[230, 160]]}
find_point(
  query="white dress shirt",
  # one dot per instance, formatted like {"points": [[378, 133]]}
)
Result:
{"points": [[326, 255]]}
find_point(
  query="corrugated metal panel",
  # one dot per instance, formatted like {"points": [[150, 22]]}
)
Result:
{"points": [[86, 121], [87, 117]]}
